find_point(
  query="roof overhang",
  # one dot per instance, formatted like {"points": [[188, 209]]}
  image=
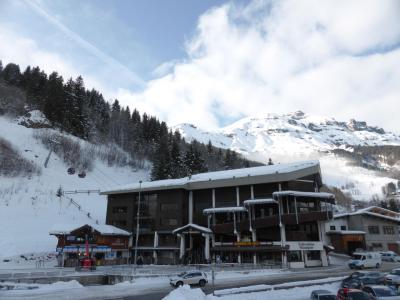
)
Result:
{"points": [[259, 201], [192, 227], [328, 197], [217, 210], [237, 177]]}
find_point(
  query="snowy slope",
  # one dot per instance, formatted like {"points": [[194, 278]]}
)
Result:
{"points": [[296, 136], [29, 207]]}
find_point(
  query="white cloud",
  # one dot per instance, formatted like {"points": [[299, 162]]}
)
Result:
{"points": [[336, 58], [24, 51]]}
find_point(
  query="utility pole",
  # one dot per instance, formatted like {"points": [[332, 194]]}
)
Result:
{"points": [[53, 143], [137, 227]]}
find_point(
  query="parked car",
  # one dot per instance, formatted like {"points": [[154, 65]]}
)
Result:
{"points": [[390, 256], [359, 279], [393, 277], [381, 292], [191, 278], [322, 295], [352, 294], [361, 260]]}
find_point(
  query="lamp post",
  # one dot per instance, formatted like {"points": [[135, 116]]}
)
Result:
{"points": [[137, 227]]}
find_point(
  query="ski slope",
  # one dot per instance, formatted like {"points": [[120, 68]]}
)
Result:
{"points": [[29, 206]]}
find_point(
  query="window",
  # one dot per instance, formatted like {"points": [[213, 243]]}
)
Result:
{"points": [[120, 209], [373, 229], [388, 229], [313, 255], [169, 206], [332, 227], [376, 245], [295, 256], [343, 227], [169, 222], [119, 223]]}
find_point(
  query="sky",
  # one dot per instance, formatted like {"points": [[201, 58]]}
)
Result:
{"points": [[213, 62]]}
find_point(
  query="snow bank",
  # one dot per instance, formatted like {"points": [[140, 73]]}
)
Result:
{"points": [[186, 293]]}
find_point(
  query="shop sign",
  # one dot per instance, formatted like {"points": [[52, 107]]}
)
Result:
{"points": [[246, 244], [306, 246], [101, 249], [110, 255], [70, 249]]}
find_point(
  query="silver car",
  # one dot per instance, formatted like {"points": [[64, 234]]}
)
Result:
{"points": [[322, 295], [381, 292], [393, 277], [190, 278]]}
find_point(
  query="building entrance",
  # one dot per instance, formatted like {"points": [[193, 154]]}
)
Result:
{"points": [[195, 253]]}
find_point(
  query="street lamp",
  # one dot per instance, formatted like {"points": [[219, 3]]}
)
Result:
{"points": [[137, 227]]}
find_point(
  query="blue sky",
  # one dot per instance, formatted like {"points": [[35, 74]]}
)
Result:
{"points": [[141, 35], [213, 62]]}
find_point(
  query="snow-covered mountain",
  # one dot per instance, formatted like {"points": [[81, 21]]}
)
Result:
{"points": [[29, 205], [296, 136]]}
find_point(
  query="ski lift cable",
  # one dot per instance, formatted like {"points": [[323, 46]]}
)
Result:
{"points": [[106, 176]]}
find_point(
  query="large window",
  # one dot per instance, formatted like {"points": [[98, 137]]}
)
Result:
{"points": [[120, 210], [314, 255], [373, 229], [295, 256], [388, 229], [169, 222], [332, 227], [169, 207], [119, 223]]}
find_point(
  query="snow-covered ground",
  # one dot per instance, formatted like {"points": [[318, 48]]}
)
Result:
{"points": [[73, 290], [29, 206], [296, 293]]}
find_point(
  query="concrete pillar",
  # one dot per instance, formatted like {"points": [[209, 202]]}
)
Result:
{"points": [[237, 196], [182, 248], [207, 247], [254, 239], [324, 258], [190, 213], [239, 255], [155, 246], [252, 192], [213, 205]]}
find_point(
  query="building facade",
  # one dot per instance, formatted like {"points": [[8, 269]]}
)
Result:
{"points": [[107, 245], [270, 214], [372, 228]]}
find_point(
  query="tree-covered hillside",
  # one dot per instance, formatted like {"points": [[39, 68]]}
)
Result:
{"points": [[72, 108]]}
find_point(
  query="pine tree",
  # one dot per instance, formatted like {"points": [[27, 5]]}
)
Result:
{"points": [[54, 99], [1, 68], [11, 74]]}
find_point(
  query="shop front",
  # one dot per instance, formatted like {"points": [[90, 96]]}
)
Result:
{"points": [[105, 244]]}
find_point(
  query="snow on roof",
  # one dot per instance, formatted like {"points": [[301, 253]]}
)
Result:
{"points": [[344, 232], [259, 201], [367, 211], [237, 174], [60, 229], [304, 194], [191, 225], [223, 210]]}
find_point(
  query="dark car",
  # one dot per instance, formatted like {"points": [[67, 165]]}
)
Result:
{"points": [[322, 295], [359, 279], [352, 294]]}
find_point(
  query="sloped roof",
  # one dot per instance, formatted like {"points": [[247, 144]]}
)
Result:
{"points": [[244, 176], [373, 211], [192, 226], [61, 229]]}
